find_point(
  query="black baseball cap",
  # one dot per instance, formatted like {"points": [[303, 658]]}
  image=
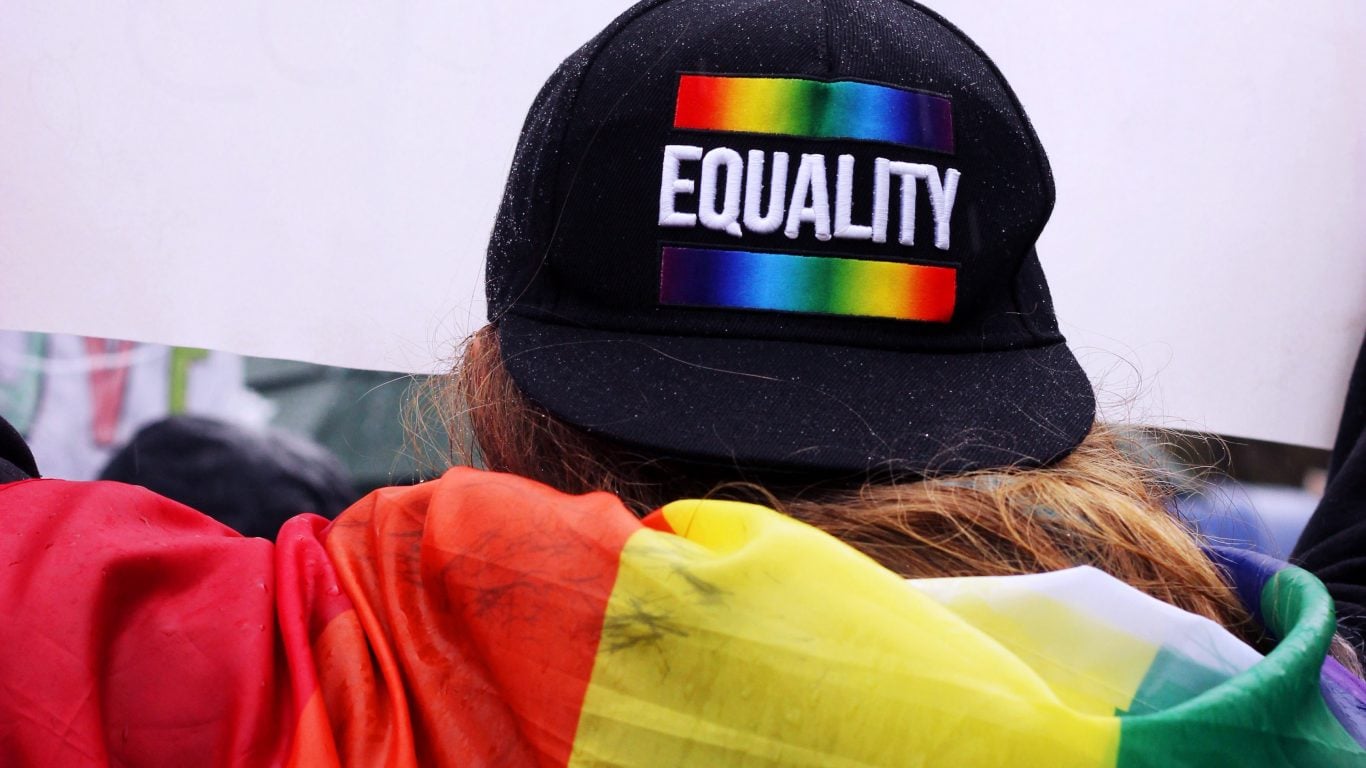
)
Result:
{"points": [[795, 234]]}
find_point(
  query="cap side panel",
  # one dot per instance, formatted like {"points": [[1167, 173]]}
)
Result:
{"points": [[523, 223], [1040, 157]]}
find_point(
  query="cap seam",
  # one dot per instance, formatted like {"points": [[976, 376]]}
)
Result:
{"points": [[829, 37], [630, 17], [1040, 160], [633, 15]]}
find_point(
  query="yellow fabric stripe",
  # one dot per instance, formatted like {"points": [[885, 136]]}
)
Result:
{"points": [[707, 659], [1087, 678]]}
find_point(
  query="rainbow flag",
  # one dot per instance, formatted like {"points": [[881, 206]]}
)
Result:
{"points": [[724, 634], [484, 619]]}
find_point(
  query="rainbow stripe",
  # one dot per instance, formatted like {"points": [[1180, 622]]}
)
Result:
{"points": [[541, 629], [487, 619], [779, 282], [790, 106]]}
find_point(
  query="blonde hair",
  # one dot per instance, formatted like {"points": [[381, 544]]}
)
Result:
{"points": [[1097, 507]]}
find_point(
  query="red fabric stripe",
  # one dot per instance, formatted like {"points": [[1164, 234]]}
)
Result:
{"points": [[136, 632], [483, 596]]}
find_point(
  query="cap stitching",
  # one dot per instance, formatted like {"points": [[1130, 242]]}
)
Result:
{"points": [[829, 56]]}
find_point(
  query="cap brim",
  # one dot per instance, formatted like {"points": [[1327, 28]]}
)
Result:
{"points": [[797, 405]]}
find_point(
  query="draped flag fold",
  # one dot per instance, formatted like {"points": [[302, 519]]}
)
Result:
{"points": [[484, 619]]}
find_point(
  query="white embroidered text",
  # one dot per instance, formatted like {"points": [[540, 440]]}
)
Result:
{"points": [[738, 193]]}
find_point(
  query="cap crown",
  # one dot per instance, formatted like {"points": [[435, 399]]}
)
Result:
{"points": [[643, 192]]}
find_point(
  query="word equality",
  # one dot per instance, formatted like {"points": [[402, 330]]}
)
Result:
{"points": [[721, 206]]}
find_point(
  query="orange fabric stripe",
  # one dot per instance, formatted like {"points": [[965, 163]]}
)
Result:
{"points": [[360, 716], [313, 744], [451, 601]]}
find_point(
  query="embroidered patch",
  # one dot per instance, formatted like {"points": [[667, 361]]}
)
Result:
{"points": [[779, 282], [790, 106], [720, 207], [809, 197]]}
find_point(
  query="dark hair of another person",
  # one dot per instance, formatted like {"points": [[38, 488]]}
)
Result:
{"points": [[251, 481]]}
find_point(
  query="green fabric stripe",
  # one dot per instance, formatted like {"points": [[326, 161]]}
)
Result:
{"points": [[1271, 715], [1171, 679]]}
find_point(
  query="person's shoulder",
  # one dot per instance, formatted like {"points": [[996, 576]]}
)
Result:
{"points": [[101, 510], [464, 499]]}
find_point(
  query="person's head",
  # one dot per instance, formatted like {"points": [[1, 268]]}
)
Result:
{"points": [[783, 250], [786, 234]]}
